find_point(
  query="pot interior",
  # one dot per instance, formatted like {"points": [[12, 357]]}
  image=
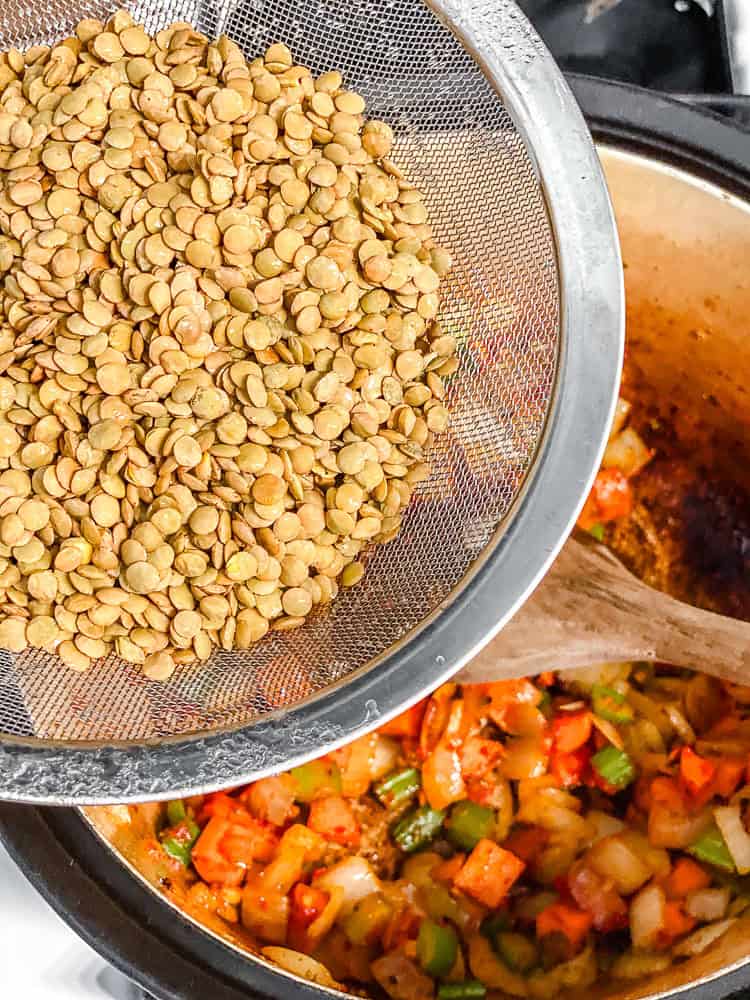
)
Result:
{"points": [[685, 247]]}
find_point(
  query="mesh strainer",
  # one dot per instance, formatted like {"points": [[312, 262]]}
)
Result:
{"points": [[487, 127]]}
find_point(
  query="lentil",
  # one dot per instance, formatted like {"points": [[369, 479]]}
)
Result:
{"points": [[217, 313]]}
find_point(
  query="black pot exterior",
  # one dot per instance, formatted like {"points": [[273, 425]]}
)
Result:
{"points": [[117, 914], [696, 139]]}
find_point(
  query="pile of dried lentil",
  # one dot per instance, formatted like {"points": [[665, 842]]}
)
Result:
{"points": [[220, 362]]}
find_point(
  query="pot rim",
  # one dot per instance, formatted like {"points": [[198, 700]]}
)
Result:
{"points": [[113, 911]]}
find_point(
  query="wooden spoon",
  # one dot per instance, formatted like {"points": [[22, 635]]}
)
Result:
{"points": [[589, 609]]}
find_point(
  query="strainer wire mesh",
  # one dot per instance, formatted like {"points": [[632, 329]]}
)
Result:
{"points": [[456, 140]]}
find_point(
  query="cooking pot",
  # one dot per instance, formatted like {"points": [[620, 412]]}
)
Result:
{"points": [[680, 180]]}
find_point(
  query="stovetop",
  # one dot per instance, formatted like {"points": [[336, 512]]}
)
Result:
{"points": [[696, 49], [688, 47], [662, 44]]}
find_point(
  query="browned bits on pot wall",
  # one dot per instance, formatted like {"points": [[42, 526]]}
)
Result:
{"points": [[220, 366]]}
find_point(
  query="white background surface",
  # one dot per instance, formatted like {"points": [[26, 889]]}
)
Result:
{"points": [[40, 957]]}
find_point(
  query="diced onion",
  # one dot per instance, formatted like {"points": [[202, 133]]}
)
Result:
{"points": [[557, 819], [653, 711], [542, 790], [682, 726], [708, 904], [603, 825], [729, 821], [633, 965], [626, 452], [647, 916], [121, 813], [656, 858], [616, 860], [555, 860], [645, 743], [301, 965], [675, 830], [703, 938], [384, 756], [582, 679], [622, 411], [442, 780], [609, 731], [524, 757], [354, 876]]}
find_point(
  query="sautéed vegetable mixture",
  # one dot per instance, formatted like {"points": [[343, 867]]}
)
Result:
{"points": [[519, 838]]}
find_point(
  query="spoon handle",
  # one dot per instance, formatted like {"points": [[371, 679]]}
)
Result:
{"points": [[589, 609]]}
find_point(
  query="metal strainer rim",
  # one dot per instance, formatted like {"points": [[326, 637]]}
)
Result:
{"points": [[591, 345]]}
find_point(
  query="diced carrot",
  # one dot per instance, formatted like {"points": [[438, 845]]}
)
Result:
{"points": [[447, 870], [513, 690], [667, 792], [676, 924], [208, 859], [527, 842], [478, 756], [570, 769], [407, 724], [589, 516], [562, 918], [488, 873], [611, 497], [730, 771], [642, 792], [442, 781], [686, 876], [696, 772], [217, 804], [571, 730], [307, 903], [332, 818], [614, 494], [249, 839]]}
